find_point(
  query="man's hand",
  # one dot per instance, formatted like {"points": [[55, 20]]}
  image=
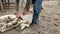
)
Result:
{"points": [[24, 12], [18, 15]]}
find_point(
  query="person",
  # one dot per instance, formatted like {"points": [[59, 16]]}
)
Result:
{"points": [[37, 9]]}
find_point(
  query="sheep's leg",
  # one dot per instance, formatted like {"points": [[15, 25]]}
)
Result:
{"points": [[11, 27], [22, 26]]}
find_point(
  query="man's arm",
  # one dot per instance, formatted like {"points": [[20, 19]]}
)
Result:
{"points": [[28, 5]]}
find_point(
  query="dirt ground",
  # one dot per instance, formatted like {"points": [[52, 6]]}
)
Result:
{"points": [[49, 22]]}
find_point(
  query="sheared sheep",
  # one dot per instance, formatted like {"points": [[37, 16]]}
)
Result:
{"points": [[10, 21]]}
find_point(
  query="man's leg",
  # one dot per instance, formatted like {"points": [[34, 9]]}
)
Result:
{"points": [[37, 9], [17, 5]]}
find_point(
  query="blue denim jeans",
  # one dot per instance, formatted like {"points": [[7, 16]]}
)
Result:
{"points": [[37, 10]]}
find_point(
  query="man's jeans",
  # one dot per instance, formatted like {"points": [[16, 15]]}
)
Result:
{"points": [[37, 10]]}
